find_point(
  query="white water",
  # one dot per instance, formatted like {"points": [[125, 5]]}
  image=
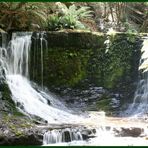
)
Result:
{"points": [[34, 103], [42, 41], [139, 107], [15, 60], [18, 54], [103, 137], [63, 135]]}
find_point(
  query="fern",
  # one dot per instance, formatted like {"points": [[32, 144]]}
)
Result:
{"points": [[70, 18]]}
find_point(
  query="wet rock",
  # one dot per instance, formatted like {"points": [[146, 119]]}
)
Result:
{"points": [[37, 120], [87, 133], [25, 136], [115, 102], [129, 132], [48, 101], [7, 104], [67, 137], [31, 139]]}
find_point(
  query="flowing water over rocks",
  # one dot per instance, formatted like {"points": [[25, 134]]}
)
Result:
{"points": [[63, 126], [139, 107], [29, 100]]}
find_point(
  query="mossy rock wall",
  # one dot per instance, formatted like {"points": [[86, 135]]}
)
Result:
{"points": [[7, 104], [64, 59], [76, 59], [116, 66]]}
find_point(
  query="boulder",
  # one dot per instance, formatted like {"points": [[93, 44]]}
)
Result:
{"points": [[129, 132]]}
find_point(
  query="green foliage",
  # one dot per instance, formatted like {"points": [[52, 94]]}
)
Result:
{"points": [[8, 104], [118, 60], [70, 18], [62, 67], [104, 104], [114, 67], [68, 66], [6, 94], [22, 15], [54, 23]]}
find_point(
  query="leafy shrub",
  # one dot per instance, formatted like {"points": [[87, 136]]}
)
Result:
{"points": [[54, 23], [69, 18]]}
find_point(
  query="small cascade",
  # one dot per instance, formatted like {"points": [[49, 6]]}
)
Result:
{"points": [[140, 103], [62, 135], [103, 136]]}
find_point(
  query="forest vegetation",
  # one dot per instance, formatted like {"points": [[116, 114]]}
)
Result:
{"points": [[94, 16]]}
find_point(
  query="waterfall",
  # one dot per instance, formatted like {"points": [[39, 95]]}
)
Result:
{"points": [[39, 52], [42, 40], [62, 135], [31, 101], [18, 54], [139, 106]]}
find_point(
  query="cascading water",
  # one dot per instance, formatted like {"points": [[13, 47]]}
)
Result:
{"points": [[140, 103], [30, 99], [63, 135], [15, 60], [18, 54]]}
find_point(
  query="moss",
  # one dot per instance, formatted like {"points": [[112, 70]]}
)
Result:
{"points": [[7, 101], [120, 61], [19, 133], [115, 75], [15, 124], [61, 67], [18, 114], [16, 130], [116, 64], [6, 94], [104, 105]]}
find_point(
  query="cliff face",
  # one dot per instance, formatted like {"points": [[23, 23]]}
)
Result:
{"points": [[79, 59]]}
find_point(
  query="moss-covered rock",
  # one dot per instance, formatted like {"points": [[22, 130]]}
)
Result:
{"points": [[17, 130], [65, 56], [61, 67], [7, 104], [77, 59], [115, 67], [75, 39]]}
